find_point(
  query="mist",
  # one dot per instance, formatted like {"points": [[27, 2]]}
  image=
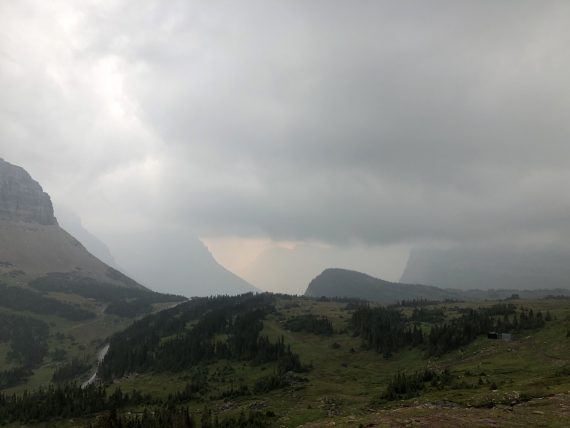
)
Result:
{"points": [[349, 131]]}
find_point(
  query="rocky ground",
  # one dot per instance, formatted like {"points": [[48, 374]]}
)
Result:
{"points": [[553, 411]]}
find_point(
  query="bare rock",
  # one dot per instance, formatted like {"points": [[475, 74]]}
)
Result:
{"points": [[22, 198]]}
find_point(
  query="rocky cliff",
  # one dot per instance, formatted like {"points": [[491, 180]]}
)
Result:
{"points": [[22, 198]]}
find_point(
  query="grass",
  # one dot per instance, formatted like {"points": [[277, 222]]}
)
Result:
{"points": [[346, 381], [79, 339]]}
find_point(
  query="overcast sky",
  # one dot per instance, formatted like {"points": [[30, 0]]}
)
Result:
{"points": [[379, 125]]}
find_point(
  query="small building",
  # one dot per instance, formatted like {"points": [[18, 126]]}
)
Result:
{"points": [[492, 335]]}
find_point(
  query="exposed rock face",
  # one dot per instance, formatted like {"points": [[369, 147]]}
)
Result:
{"points": [[22, 198]]}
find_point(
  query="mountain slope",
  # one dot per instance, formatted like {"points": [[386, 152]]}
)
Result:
{"points": [[348, 283], [175, 262], [57, 300], [71, 223], [289, 361], [32, 242]]}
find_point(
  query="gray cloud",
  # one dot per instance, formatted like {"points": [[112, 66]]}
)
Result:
{"points": [[386, 122]]}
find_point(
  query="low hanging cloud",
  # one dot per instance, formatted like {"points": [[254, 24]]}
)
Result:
{"points": [[382, 122]]}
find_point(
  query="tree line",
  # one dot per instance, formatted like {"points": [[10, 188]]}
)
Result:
{"points": [[58, 402], [64, 401], [21, 299], [199, 331], [127, 302], [172, 417], [387, 330]]}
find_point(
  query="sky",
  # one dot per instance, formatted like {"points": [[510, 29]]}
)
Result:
{"points": [[295, 135]]}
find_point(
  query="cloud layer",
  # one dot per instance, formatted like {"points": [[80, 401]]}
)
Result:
{"points": [[383, 123]]}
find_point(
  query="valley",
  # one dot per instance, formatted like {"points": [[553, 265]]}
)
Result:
{"points": [[291, 214], [340, 377]]}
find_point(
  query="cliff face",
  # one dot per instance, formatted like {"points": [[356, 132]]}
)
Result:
{"points": [[22, 198]]}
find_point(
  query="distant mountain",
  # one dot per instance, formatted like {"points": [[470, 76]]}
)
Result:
{"points": [[177, 262], [32, 244], [491, 267], [290, 269], [71, 222], [348, 283]]}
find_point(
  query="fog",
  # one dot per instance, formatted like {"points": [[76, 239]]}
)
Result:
{"points": [[348, 134]]}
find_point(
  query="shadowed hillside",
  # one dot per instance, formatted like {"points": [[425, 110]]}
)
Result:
{"points": [[348, 283]]}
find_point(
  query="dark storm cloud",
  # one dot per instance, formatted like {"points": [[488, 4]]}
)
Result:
{"points": [[378, 121]]}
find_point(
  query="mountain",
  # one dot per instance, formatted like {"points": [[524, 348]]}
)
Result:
{"points": [[174, 261], [71, 222], [58, 302], [491, 267], [32, 242], [348, 283], [290, 269]]}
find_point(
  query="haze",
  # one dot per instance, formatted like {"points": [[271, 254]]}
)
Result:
{"points": [[293, 136]]}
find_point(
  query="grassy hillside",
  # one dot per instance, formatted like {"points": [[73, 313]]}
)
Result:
{"points": [[35, 250], [55, 324], [344, 375]]}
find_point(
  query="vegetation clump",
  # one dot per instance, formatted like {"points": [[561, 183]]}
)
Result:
{"points": [[27, 338], [310, 323], [385, 330], [408, 385], [71, 370]]}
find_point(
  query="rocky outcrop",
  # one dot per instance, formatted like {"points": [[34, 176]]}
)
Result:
{"points": [[22, 198]]}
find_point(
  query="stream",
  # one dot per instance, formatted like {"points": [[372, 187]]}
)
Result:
{"points": [[100, 355]]}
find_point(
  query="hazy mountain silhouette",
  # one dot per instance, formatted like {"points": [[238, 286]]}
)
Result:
{"points": [[348, 283], [174, 262], [491, 267]]}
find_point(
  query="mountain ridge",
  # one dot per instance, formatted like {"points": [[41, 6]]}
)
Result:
{"points": [[338, 282]]}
